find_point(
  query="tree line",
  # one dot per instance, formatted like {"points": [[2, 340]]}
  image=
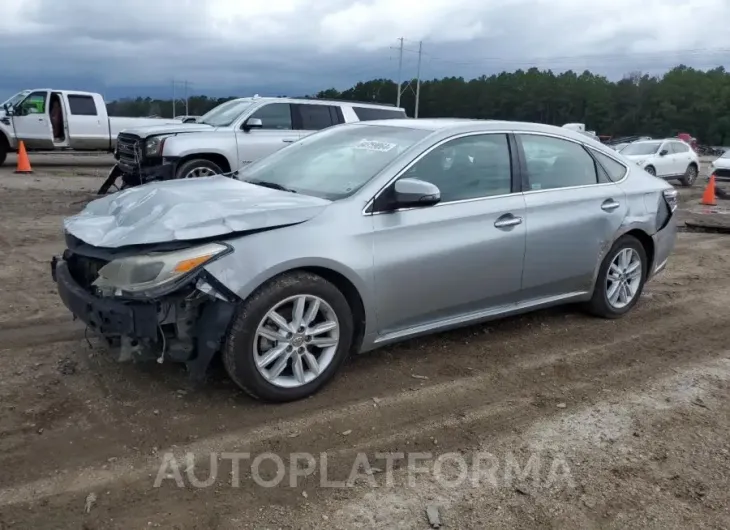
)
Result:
{"points": [[682, 100]]}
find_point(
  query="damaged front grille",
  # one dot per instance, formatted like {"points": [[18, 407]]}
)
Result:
{"points": [[129, 152], [83, 269]]}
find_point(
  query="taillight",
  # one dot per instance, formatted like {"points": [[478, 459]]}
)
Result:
{"points": [[671, 197]]}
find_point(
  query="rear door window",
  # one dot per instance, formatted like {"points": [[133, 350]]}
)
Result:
{"points": [[369, 113], [82, 105], [315, 117]]}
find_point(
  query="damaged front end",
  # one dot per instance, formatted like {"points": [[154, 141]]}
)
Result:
{"points": [[154, 302]]}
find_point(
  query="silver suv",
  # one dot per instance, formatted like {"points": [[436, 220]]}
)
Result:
{"points": [[230, 136]]}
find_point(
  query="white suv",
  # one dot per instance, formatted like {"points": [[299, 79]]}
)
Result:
{"points": [[669, 159], [720, 167]]}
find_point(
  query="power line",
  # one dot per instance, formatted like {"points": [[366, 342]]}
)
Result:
{"points": [[585, 57]]}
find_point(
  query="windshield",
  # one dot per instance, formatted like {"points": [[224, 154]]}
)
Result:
{"points": [[17, 98], [641, 148], [336, 162], [225, 113], [726, 154]]}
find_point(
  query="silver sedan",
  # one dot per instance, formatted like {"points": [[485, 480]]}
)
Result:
{"points": [[359, 236]]}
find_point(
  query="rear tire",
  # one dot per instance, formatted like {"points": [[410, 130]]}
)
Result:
{"points": [[4, 148], [602, 304], [690, 176], [198, 167], [244, 349]]}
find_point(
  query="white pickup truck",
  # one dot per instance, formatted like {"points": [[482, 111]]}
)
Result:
{"points": [[49, 120]]}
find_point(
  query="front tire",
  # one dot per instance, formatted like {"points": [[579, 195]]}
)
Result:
{"points": [[690, 176], [198, 167], [650, 170], [621, 279], [289, 338]]}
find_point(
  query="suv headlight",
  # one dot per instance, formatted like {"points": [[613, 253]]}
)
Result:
{"points": [[153, 274], [153, 146]]}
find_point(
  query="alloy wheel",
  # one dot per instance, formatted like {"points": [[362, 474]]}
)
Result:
{"points": [[624, 278], [296, 341]]}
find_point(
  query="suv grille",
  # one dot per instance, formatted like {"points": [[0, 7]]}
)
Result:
{"points": [[129, 151], [722, 173]]}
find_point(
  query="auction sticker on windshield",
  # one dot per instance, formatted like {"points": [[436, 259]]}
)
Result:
{"points": [[374, 145]]}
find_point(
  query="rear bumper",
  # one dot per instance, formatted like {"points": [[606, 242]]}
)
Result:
{"points": [[108, 317], [664, 241]]}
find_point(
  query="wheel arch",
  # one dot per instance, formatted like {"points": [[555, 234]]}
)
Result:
{"points": [[217, 158], [343, 278]]}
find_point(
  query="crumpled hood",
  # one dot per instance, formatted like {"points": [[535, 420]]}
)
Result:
{"points": [[187, 209], [179, 127]]}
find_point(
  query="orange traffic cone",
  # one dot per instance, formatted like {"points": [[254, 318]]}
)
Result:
{"points": [[708, 197], [23, 165]]}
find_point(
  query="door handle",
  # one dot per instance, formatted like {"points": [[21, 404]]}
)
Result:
{"points": [[507, 220], [288, 140], [609, 205]]}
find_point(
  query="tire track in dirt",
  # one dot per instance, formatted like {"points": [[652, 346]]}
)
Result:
{"points": [[453, 432], [501, 361], [593, 440], [434, 414]]}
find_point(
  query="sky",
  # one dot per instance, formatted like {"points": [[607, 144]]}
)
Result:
{"points": [[297, 47]]}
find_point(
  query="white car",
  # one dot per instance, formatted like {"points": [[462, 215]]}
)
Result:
{"points": [[668, 159], [721, 167]]}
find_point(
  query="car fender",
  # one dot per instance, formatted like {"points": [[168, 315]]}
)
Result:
{"points": [[185, 145], [223, 271]]}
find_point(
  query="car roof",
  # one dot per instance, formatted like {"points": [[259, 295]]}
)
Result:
{"points": [[447, 126], [317, 101]]}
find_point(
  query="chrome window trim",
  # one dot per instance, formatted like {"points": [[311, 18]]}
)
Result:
{"points": [[517, 133], [586, 146]]}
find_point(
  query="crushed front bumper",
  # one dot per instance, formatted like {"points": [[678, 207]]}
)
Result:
{"points": [[175, 327], [106, 316]]}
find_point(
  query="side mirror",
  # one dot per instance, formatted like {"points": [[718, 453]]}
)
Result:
{"points": [[252, 123], [663, 152], [415, 192]]}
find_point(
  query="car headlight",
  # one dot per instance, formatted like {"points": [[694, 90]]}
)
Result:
{"points": [[153, 146], [151, 274]]}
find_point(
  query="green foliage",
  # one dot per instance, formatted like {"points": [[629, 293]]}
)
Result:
{"points": [[683, 100]]}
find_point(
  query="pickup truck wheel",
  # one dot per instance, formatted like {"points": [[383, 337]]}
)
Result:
{"points": [[289, 338], [198, 167], [3, 149]]}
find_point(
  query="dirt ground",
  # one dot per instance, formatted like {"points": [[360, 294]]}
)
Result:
{"points": [[551, 420]]}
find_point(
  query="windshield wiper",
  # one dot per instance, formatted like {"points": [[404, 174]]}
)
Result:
{"points": [[272, 185]]}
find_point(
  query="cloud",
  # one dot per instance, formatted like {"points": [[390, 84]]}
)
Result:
{"points": [[295, 46]]}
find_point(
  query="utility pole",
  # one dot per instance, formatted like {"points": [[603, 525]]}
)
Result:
{"points": [[418, 78], [173, 98], [400, 71], [186, 98]]}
